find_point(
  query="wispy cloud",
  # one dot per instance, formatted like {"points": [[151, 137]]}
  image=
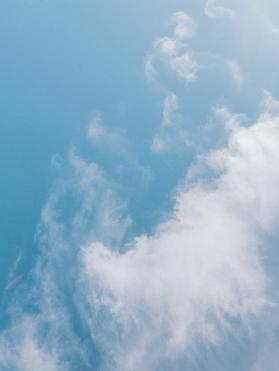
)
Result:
{"points": [[171, 133], [173, 51], [185, 26], [235, 71], [215, 9], [22, 350], [101, 297], [108, 139], [171, 107], [201, 268], [96, 130], [185, 66], [153, 300]]}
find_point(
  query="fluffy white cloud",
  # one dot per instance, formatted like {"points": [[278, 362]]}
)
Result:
{"points": [[199, 274], [201, 268]]}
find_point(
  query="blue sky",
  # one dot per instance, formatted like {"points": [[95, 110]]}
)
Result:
{"points": [[139, 179]]}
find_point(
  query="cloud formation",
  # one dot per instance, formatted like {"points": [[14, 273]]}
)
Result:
{"points": [[150, 301], [101, 298], [235, 71], [173, 52], [171, 134], [214, 10], [202, 268]]}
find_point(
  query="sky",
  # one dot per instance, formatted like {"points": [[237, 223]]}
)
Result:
{"points": [[139, 185]]}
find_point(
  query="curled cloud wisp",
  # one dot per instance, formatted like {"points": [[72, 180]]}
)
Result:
{"points": [[176, 55], [171, 135], [173, 51], [214, 9]]}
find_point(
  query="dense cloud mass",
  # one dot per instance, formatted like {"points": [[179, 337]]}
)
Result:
{"points": [[201, 268]]}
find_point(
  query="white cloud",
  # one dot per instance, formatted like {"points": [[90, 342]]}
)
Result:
{"points": [[111, 139], [270, 106], [159, 144], [107, 137], [185, 66], [166, 45], [149, 69], [173, 52], [21, 349], [185, 26], [197, 276], [235, 71], [171, 107], [231, 121], [41, 335], [201, 268], [96, 130], [171, 134], [214, 10]]}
